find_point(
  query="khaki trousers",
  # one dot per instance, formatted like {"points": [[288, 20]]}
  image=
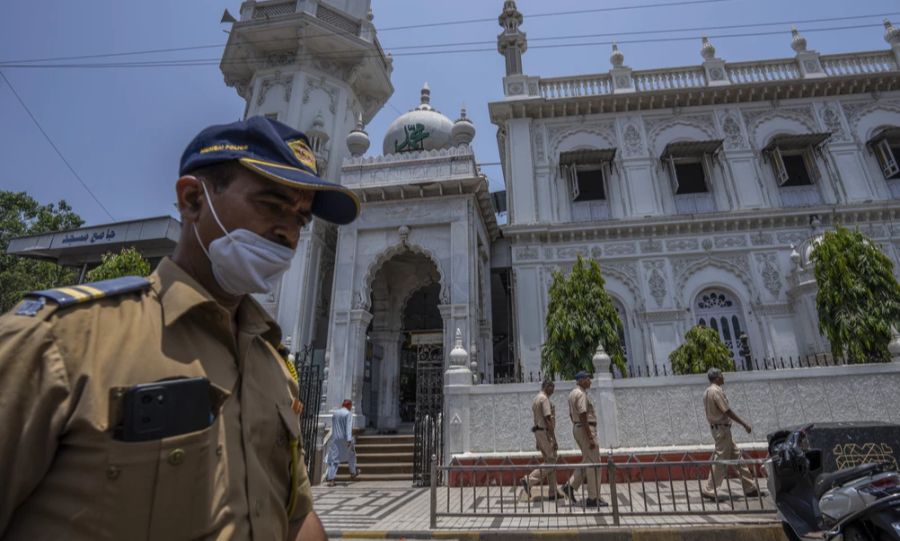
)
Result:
{"points": [[550, 455], [591, 475], [727, 450]]}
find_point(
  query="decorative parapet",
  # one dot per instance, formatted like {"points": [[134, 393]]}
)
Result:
{"points": [[425, 165], [737, 73]]}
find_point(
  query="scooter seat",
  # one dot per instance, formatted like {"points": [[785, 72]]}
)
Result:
{"points": [[827, 481]]}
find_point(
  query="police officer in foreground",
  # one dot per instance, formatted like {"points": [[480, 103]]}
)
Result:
{"points": [[584, 428], [159, 409], [544, 429]]}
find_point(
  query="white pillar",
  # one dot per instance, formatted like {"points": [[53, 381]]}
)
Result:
{"points": [[389, 381]]}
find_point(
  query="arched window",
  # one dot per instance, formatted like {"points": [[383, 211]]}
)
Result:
{"points": [[721, 311], [623, 334]]}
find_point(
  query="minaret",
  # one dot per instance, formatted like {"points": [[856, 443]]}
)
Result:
{"points": [[317, 66], [511, 43]]}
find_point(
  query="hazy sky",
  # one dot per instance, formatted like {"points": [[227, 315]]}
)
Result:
{"points": [[123, 129]]}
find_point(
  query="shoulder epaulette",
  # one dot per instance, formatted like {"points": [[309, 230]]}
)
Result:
{"points": [[286, 358], [70, 295]]}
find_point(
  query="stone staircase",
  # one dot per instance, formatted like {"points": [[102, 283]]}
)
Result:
{"points": [[382, 458]]}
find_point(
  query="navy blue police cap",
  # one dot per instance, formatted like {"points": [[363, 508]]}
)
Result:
{"points": [[582, 375], [277, 152]]}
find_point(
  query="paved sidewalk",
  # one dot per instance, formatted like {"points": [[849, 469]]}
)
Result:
{"points": [[397, 510]]}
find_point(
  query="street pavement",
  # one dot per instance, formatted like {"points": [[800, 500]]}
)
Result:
{"points": [[396, 510]]}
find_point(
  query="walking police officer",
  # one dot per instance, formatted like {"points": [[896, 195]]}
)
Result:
{"points": [[584, 428], [720, 415], [85, 452], [544, 429]]}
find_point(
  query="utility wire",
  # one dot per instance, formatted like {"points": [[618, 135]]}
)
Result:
{"points": [[52, 144], [433, 45], [388, 29], [557, 14], [197, 62], [452, 44]]}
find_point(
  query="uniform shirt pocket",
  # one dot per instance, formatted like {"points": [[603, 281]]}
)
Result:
{"points": [[163, 489]]}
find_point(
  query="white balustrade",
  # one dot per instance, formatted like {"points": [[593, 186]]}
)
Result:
{"points": [[669, 79], [838, 65], [785, 69], [573, 87]]}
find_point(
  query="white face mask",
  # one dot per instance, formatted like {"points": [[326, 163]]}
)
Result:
{"points": [[244, 262]]}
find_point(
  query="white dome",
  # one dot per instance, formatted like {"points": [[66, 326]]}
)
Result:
{"points": [[358, 139], [463, 130], [423, 128]]}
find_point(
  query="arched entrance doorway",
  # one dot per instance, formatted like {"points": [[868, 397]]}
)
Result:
{"points": [[407, 329]]}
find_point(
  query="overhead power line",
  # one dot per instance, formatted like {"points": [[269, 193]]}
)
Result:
{"points": [[450, 44], [557, 14], [388, 29], [197, 62], [418, 47], [52, 144]]}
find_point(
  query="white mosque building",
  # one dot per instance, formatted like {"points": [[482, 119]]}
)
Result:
{"points": [[698, 189]]}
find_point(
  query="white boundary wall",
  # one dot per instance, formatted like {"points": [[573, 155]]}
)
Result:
{"points": [[668, 411]]}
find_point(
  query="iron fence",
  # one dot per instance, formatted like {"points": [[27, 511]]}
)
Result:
{"points": [[746, 364], [310, 383], [629, 489], [663, 369]]}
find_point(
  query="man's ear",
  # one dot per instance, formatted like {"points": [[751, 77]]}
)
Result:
{"points": [[190, 198]]}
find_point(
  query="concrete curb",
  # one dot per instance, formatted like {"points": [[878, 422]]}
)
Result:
{"points": [[769, 532]]}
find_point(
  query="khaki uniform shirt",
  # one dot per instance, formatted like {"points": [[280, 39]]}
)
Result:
{"points": [[716, 404], [63, 476], [541, 408], [579, 403]]}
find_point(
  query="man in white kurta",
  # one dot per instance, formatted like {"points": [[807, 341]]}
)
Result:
{"points": [[340, 449]]}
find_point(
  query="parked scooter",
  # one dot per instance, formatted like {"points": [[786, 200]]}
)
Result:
{"points": [[854, 504]]}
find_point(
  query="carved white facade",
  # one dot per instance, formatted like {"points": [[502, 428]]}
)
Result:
{"points": [[698, 189], [661, 248]]}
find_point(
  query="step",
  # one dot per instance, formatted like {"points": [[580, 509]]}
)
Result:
{"points": [[374, 477], [376, 458], [393, 467], [407, 440], [385, 448]]}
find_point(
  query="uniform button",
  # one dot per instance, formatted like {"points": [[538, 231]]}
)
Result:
{"points": [[176, 457], [258, 506], [281, 441], [219, 450], [112, 472]]}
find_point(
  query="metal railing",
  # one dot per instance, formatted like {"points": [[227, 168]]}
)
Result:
{"points": [[274, 9], [740, 365], [629, 489]]}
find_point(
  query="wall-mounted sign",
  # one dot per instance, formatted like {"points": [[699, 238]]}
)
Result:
{"points": [[100, 235], [414, 137]]}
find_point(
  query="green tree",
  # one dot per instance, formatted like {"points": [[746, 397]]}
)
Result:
{"points": [[581, 315], [702, 349], [128, 262], [858, 298], [21, 215]]}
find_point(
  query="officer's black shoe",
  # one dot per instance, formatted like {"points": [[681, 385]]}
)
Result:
{"points": [[555, 497], [569, 492], [591, 502], [523, 482]]}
